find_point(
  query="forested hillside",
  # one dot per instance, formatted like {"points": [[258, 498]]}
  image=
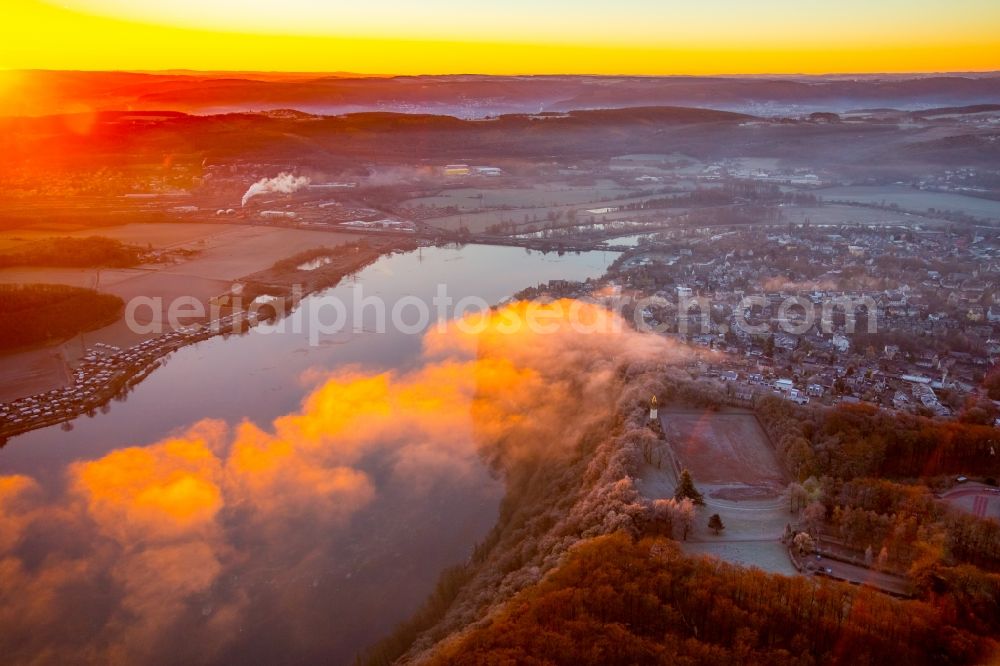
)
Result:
{"points": [[617, 600], [576, 571]]}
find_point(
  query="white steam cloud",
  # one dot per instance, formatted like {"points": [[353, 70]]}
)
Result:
{"points": [[283, 183]]}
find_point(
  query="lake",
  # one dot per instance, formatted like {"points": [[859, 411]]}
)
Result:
{"points": [[349, 582]]}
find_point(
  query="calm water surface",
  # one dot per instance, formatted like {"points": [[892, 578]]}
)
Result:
{"points": [[376, 570]]}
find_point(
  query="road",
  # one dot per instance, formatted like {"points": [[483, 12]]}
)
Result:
{"points": [[853, 573]]}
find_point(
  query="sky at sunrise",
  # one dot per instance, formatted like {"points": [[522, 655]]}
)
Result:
{"points": [[510, 37]]}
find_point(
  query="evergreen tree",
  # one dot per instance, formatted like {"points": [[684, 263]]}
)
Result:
{"points": [[686, 489], [715, 523]]}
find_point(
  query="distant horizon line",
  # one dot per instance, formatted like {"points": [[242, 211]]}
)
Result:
{"points": [[180, 71]]}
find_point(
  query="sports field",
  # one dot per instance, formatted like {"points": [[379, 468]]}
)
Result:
{"points": [[722, 448], [734, 467]]}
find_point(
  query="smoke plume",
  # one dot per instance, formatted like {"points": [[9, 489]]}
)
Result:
{"points": [[283, 183]]}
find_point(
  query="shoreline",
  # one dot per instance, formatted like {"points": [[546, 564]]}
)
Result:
{"points": [[107, 370]]}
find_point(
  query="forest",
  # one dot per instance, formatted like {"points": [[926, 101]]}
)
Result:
{"points": [[617, 600], [860, 440], [68, 252], [39, 313], [578, 571], [912, 523]]}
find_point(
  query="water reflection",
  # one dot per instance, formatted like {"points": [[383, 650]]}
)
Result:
{"points": [[308, 509]]}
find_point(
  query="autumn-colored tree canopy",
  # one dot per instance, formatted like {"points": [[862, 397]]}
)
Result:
{"points": [[620, 601], [861, 440], [631, 596]]}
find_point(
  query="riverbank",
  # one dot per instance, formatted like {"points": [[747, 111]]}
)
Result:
{"points": [[193, 260], [105, 371], [551, 505], [362, 574]]}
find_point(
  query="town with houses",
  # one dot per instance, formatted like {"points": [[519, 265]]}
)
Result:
{"points": [[903, 318]]}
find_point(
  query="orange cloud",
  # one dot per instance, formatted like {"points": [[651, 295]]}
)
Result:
{"points": [[275, 476], [16, 494], [161, 491], [161, 529]]}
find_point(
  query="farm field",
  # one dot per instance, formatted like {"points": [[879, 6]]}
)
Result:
{"points": [[479, 208], [159, 235], [238, 251], [225, 253], [478, 221], [550, 194], [834, 214], [914, 200], [88, 278]]}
